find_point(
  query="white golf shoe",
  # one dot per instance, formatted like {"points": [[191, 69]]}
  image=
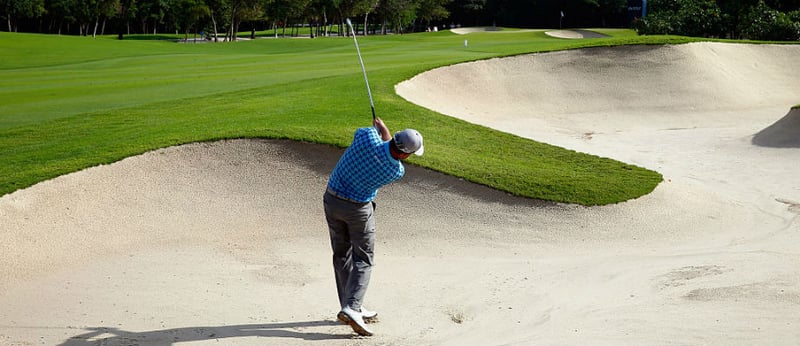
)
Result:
{"points": [[355, 320]]}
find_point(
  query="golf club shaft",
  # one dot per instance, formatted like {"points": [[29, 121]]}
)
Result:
{"points": [[366, 81]]}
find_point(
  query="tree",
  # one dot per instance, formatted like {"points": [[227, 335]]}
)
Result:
{"points": [[239, 10], [103, 9], [765, 23], [152, 13], [701, 18], [353, 8], [125, 12], [60, 12], [432, 10], [84, 13], [372, 5], [286, 11], [218, 13], [396, 13], [474, 7], [12, 10], [316, 12], [188, 13], [611, 9]]}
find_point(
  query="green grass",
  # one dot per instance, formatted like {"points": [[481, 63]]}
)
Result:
{"points": [[68, 103]]}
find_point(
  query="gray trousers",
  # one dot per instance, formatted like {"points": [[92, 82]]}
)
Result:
{"points": [[352, 231]]}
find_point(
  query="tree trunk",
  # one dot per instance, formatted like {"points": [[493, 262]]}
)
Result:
{"points": [[214, 22], [123, 14], [366, 16], [233, 25], [96, 24]]}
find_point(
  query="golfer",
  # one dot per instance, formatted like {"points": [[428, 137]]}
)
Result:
{"points": [[372, 161]]}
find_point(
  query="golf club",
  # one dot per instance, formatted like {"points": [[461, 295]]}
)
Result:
{"points": [[369, 92]]}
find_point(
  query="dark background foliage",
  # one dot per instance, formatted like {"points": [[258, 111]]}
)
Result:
{"points": [[737, 19]]}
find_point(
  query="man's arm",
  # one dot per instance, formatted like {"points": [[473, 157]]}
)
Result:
{"points": [[382, 129]]}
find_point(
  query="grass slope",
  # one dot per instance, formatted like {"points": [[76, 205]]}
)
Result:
{"points": [[68, 103]]}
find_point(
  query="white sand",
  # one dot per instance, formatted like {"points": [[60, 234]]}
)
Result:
{"points": [[489, 29], [225, 243], [574, 34]]}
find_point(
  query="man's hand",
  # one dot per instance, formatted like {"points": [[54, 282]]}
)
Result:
{"points": [[382, 129]]}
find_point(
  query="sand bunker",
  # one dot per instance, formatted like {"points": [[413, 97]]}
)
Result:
{"points": [[575, 34], [468, 30], [226, 242], [492, 29]]}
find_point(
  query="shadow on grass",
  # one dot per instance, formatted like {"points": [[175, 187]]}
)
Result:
{"points": [[115, 336]]}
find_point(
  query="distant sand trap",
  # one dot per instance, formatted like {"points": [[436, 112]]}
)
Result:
{"points": [[575, 34], [492, 29], [226, 242], [464, 31]]}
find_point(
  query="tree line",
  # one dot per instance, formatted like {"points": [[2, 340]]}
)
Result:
{"points": [[736, 19], [229, 17], [221, 17], [753, 19]]}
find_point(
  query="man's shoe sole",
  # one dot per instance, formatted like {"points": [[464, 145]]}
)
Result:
{"points": [[343, 317]]}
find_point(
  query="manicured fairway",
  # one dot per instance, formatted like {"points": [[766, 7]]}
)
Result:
{"points": [[67, 103]]}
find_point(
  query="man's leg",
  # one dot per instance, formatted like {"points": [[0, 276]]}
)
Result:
{"points": [[352, 232], [340, 244], [362, 238]]}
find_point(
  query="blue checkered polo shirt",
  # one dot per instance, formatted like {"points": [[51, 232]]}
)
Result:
{"points": [[364, 167]]}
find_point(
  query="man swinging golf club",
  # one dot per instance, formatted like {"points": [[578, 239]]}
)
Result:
{"points": [[372, 161]]}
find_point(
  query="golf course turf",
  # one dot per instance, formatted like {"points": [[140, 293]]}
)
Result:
{"points": [[68, 103]]}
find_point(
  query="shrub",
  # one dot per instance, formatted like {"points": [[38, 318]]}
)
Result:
{"points": [[682, 17], [765, 23], [655, 24], [705, 18]]}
